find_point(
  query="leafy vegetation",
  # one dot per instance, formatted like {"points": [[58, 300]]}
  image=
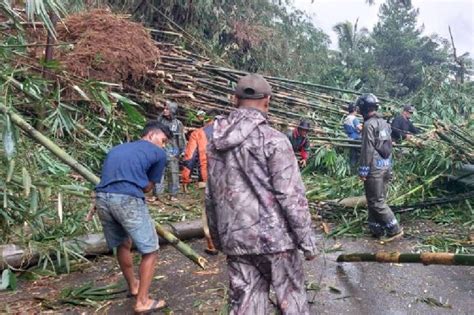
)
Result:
{"points": [[42, 208]]}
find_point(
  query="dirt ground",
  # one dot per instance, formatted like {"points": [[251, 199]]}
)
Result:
{"points": [[334, 288]]}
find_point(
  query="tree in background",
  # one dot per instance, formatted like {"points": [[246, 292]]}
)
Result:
{"points": [[267, 36], [400, 50]]}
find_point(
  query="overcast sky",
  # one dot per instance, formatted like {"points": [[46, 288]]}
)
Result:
{"points": [[435, 15]]}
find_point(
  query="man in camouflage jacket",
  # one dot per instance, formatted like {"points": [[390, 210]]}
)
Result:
{"points": [[256, 206]]}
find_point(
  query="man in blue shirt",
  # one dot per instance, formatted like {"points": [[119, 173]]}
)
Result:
{"points": [[352, 125], [130, 170], [353, 129]]}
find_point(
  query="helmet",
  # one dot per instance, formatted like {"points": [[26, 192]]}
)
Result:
{"points": [[172, 106], [367, 102], [304, 124], [201, 113]]}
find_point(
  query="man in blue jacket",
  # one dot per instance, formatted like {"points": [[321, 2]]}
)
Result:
{"points": [[353, 129], [130, 170]]}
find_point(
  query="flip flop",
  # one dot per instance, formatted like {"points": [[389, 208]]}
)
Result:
{"points": [[155, 306]]}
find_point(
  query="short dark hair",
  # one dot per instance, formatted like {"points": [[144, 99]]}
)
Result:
{"points": [[156, 126], [351, 108]]}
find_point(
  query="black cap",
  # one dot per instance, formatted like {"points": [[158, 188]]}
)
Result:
{"points": [[253, 86], [408, 108], [304, 124]]}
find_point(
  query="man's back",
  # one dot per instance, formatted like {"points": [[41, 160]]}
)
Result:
{"points": [[130, 166], [401, 127], [255, 196], [350, 126]]}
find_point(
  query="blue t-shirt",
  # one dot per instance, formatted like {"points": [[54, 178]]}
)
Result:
{"points": [[129, 167], [350, 126]]}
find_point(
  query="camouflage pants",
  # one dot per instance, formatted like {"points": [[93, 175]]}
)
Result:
{"points": [[381, 218], [170, 178], [250, 277]]}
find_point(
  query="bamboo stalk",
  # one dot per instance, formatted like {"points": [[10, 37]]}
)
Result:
{"points": [[397, 257], [50, 145], [185, 249], [325, 87]]}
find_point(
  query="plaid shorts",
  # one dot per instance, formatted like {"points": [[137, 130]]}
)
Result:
{"points": [[124, 217]]}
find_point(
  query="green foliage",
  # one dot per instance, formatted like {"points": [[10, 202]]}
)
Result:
{"points": [[446, 100], [8, 280], [265, 35], [89, 295], [327, 160], [400, 51]]}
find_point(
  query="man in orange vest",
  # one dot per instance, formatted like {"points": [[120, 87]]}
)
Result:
{"points": [[195, 156]]}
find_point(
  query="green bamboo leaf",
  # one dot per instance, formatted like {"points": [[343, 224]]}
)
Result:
{"points": [[5, 279], [8, 280], [123, 99], [60, 207], [34, 201], [11, 169], [81, 92], [105, 102], [129, 105], [9, 142], [5, 198], [133, 115], [26, 181], [12, 280]]}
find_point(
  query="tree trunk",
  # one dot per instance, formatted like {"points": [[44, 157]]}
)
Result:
{"points": [[94, 244]]}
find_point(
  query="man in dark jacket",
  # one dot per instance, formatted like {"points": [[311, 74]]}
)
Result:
{"points": [[402, 127], [376, 170], [256, 206], [174, 149], [300, 142]]}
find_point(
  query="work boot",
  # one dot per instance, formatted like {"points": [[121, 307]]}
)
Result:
{"points": [[392, 237]]}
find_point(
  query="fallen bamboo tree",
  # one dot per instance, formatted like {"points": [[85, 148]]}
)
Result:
{"points": [[17, 257], [92, 178], [396, 257]]}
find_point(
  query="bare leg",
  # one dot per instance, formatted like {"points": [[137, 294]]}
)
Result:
{"points": [[147, 269], [124, 257]]}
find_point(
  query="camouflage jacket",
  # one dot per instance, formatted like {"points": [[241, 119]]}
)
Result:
{"points": [[376, 142], [255, 198]]}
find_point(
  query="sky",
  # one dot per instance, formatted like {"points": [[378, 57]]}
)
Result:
{"points": [[435, 15]]}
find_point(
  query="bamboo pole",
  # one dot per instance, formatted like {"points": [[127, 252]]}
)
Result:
{"points": [[397, 257], [182, 247], [92, 178]]}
